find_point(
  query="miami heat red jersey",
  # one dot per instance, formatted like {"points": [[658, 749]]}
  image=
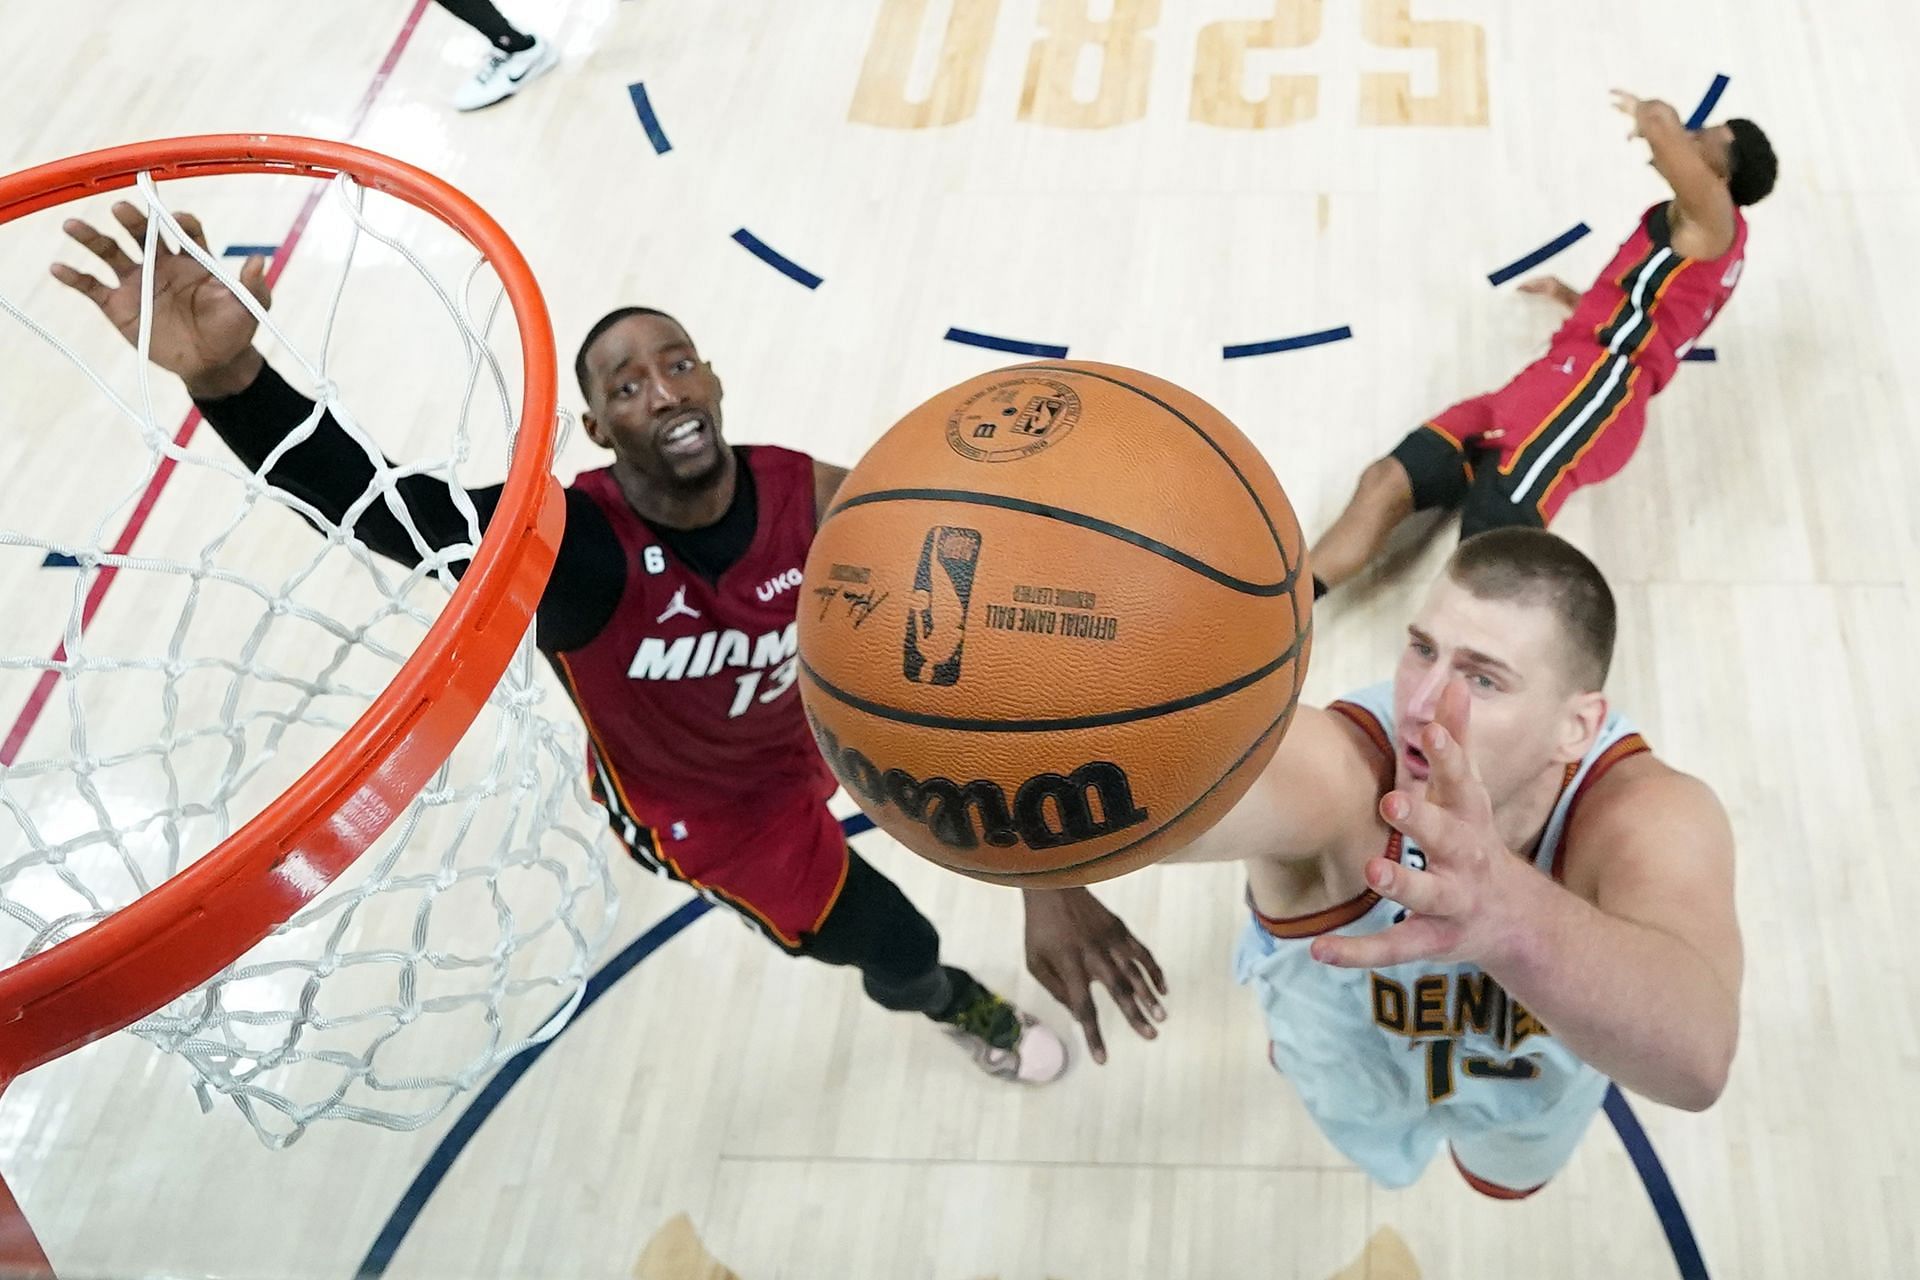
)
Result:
{"points": [[1651, 304], [688, 691]]}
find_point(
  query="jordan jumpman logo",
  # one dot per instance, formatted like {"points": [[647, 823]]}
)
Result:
{"points": [[678, 607]]}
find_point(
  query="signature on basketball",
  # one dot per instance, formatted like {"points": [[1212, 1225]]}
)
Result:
{"points": [[860, 604]]}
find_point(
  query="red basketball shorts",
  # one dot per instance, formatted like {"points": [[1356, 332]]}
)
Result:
{"points": [[1569, 419], [781, 865]]}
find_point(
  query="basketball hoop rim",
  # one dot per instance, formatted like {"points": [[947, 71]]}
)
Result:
{"points": [[188, 928]]}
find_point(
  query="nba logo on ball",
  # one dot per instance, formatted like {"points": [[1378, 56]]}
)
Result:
{"points": [[937, 622], [1084, 651]]}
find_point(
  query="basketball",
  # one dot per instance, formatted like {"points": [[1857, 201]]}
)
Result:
{"points": [[1054, 623]]}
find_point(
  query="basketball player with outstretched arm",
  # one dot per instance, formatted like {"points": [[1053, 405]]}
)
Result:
{"points": [[670, 619], [1474, 894], [1574, 416]]}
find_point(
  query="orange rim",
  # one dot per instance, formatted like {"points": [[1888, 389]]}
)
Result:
{"points": [[193, 925]]}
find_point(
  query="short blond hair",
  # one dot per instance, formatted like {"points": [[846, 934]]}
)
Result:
{"points": [[1539, 568]]}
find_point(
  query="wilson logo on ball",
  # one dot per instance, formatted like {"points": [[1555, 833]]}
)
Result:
{"points": [[1047, 811], [937, 611]]}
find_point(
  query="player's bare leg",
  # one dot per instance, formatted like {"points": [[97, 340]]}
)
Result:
{"points": [[1382, 499]]}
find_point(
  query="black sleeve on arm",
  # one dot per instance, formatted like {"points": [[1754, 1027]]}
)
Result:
{"points": [[330, 471]]}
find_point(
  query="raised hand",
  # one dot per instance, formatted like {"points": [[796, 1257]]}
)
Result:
{"points": [[1457, 902], [1648, 114], [201, 330]]}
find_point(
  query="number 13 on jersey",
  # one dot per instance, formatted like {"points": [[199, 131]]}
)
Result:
{"points": [[1053, 92], [778, 682]]}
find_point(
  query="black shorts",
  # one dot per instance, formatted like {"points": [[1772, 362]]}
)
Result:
{"points": [[1443, 475]]}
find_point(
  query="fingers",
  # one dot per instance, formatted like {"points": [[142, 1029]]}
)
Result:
{"points": [[1089, 1019], [1416, 938], [253, 278], [1076, 996], [1130, 995], [133, 218], [1455, 710], [1151, 967], [1421, 892], [103, 247], [1451, 778], [1437, 832], [81, 282], [191, 225]]}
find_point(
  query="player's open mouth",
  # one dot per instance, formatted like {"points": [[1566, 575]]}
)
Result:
{"points": [[1416, 761], [685, 436]]}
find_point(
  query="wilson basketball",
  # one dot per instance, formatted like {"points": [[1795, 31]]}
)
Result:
{"points": [[1054, 624]]}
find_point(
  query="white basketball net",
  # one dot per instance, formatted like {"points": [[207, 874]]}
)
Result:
{"points": [[466, 933]]}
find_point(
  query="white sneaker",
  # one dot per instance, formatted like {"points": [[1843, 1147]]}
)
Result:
{"points": [[1006, 1043], [504, 74]]}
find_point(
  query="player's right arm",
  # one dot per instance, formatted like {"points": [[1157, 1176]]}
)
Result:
{"points": [[1706, 205], [1321, 780], [201, 331]]}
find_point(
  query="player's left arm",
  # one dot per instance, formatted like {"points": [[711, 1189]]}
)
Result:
{"points": [[1705, 202], [827, 480], [1635, 965]]}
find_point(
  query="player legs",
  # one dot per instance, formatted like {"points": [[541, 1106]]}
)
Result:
{"points": [[1512, 1162], [787, 870], [1428, 469], [517, 58], [1382, 499], [872, 927]]}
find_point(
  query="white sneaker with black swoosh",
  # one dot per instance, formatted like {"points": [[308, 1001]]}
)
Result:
{"points": [[505, 74]]}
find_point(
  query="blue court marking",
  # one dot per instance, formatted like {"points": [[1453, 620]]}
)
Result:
{"points": [[1045, 350], [1708, 103], [643, 107], [1705, 355], [1271, 345], [1564, 240], [250, 251], [784, 265], [431, 1174], [1666, 1204], [487, 1101], [59, 560]]}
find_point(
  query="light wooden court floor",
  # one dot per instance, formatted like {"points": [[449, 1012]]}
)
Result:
{"points": [[1127, 179]]}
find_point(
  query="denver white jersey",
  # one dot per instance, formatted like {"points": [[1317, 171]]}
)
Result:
{"points": [[1392, 1061]]}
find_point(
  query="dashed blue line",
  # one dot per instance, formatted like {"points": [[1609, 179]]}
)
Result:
{"points": [[1014, 346], [643, 107], [1272, 345], [59, 560], [772, 257], [1708, 103], [250, 251], [1559, 243], [1704, 355]]}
